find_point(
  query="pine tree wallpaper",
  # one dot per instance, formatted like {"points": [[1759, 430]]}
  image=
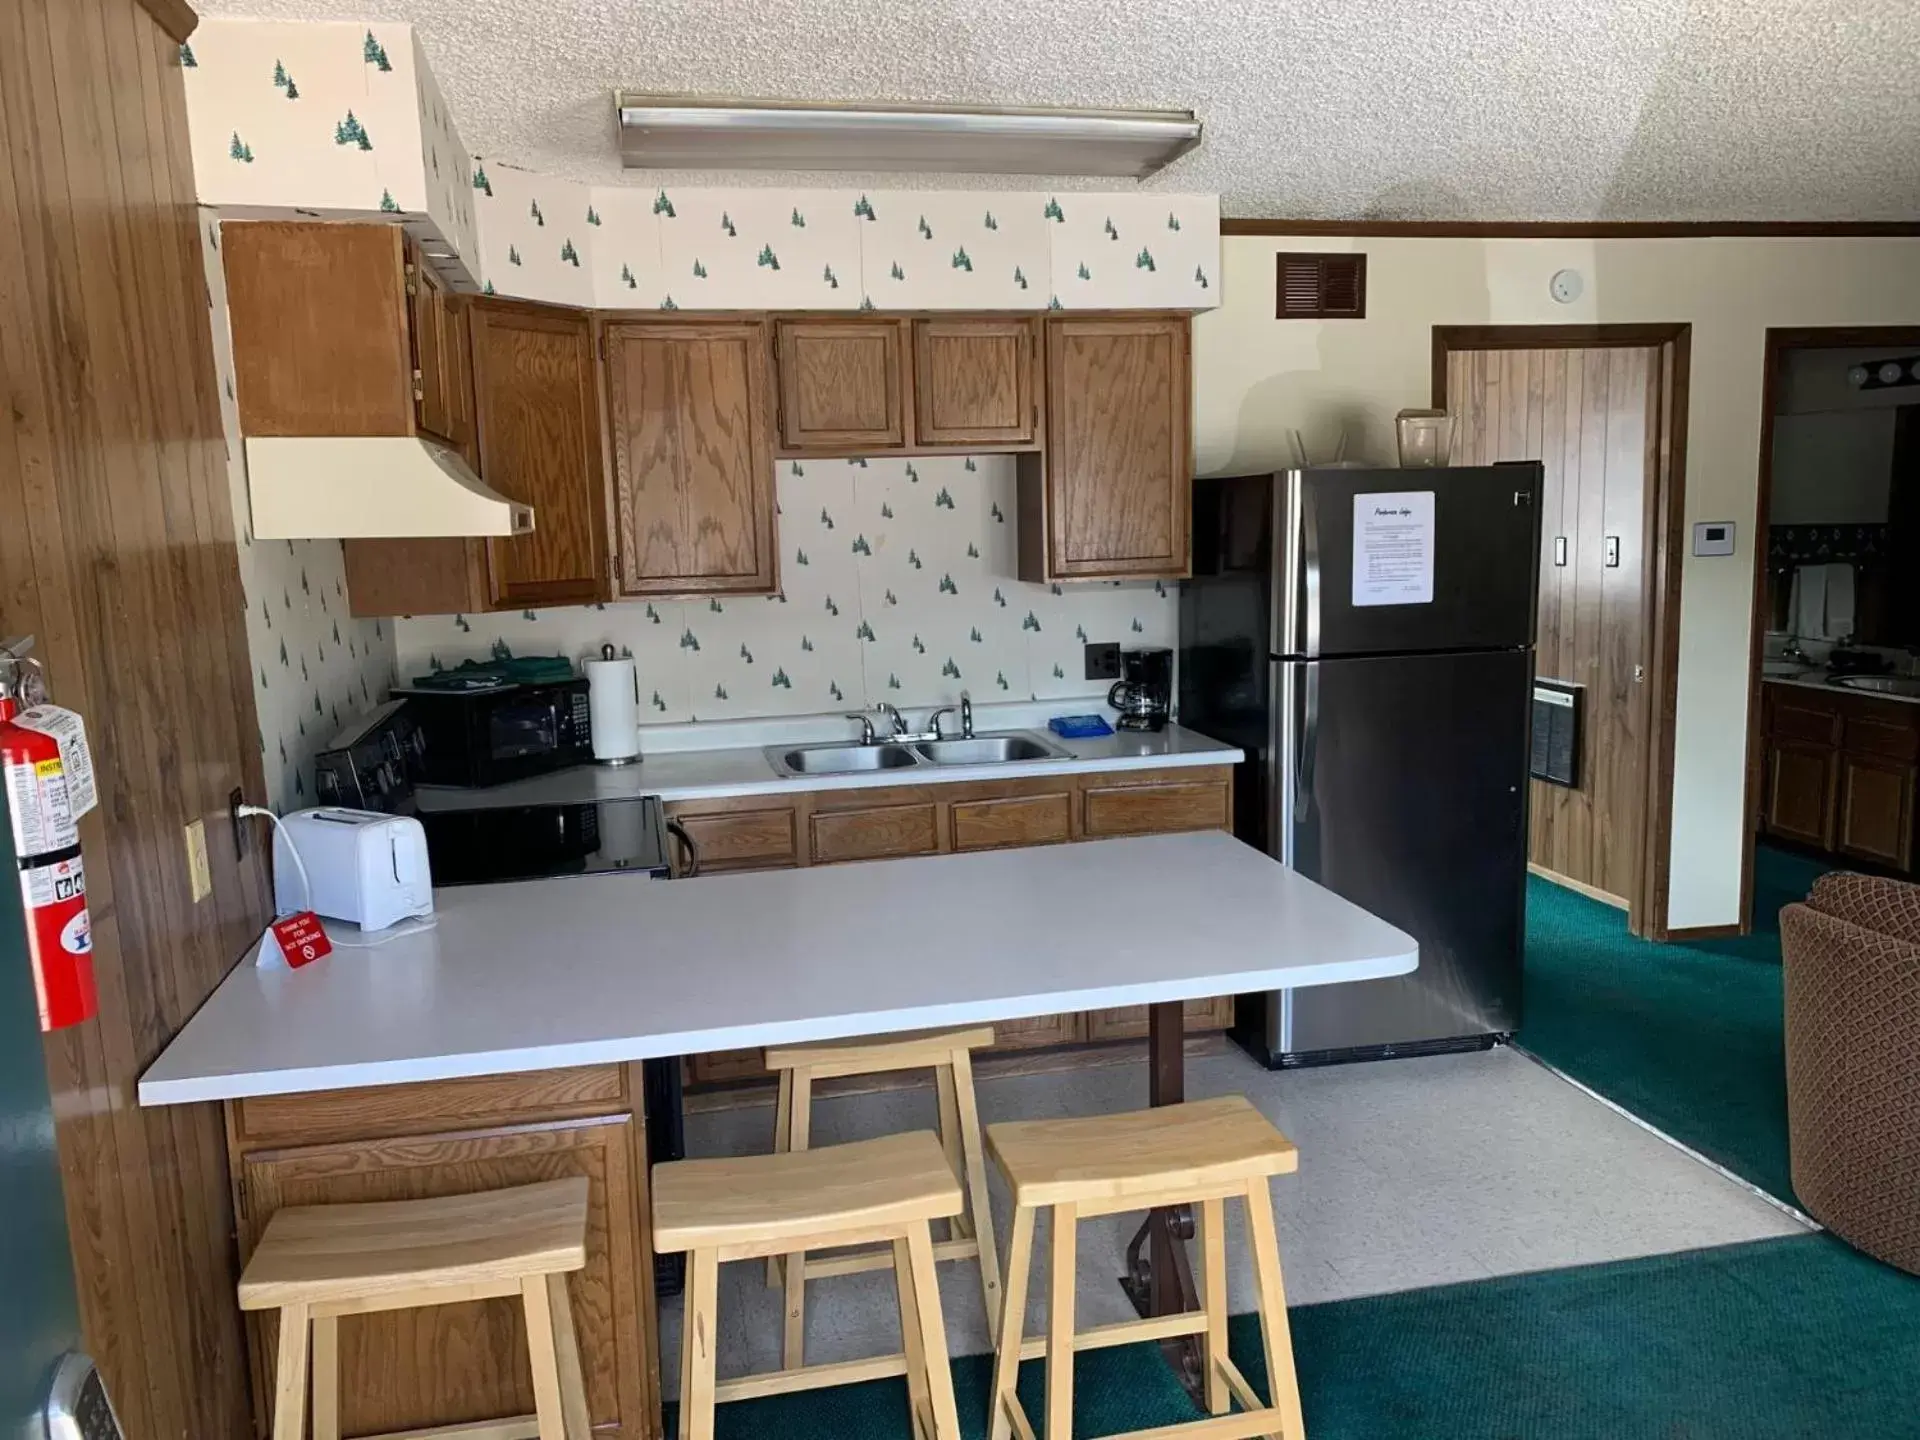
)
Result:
{"points": [[314, 665], [896, 586]]}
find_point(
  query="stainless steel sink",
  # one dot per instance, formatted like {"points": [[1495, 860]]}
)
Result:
{"points": [[1881, 684], [989, 750], [840, 759]]}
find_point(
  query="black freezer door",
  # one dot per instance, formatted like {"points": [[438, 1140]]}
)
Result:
{"points": [[1401, 783], [1484, 554]]}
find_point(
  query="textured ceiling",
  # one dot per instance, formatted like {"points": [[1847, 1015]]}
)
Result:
{"points": [[1342, 109]]}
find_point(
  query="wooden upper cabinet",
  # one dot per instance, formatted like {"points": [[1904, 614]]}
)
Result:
{"points": [[442, 376], [538, 416], [689, 415], [973, 381], [843, 386], [1111, 493], [337, 330]]}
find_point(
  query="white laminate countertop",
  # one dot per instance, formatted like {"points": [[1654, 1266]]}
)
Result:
{"points": [[713, 774], [1817, 680], [596, 970]]}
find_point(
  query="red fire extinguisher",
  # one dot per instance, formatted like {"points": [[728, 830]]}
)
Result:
{"points": [[49, 785]]}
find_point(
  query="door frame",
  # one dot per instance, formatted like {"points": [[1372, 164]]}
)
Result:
{"points": [[1660, 593], [1779, 340]]}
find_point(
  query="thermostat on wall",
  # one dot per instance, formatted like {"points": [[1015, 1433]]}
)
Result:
{"points": [[1713, 537]]}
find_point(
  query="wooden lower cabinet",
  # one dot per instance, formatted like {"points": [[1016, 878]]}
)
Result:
{"points": [[452, 1364], [1841, 771], [826, 827]]}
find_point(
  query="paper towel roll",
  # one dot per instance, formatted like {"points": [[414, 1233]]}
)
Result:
{"points": [[613, 702]]}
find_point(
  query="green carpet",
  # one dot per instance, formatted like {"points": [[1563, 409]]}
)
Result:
{"points": [[1765, 1341], [1686, 1036]]}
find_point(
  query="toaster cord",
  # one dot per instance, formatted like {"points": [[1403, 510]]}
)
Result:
{"points": [[299, 865]]}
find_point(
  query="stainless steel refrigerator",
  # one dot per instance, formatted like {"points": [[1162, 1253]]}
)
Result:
{"points": [[1366, 636]]}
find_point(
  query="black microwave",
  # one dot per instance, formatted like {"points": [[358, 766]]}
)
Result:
{"points": [[504, 732]]}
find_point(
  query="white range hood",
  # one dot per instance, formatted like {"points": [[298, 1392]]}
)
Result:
{"points": [[371, 487]]}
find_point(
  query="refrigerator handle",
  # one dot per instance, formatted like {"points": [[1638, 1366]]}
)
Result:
{"points": [[1309, 741], [1310, 566]]}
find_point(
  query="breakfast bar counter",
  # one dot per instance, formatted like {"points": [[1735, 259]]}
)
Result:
{"points": [[552, 974]]}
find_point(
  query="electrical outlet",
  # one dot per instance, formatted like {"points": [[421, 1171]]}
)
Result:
{"points": [[1103, 660], [199, 873]]}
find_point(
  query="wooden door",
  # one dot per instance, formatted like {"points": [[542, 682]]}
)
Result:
{"points": [[538, 417], [1592, 417], [1801, 782], [450, 1364], [1118, 465], [1875, 810], [692, 456], [973, 382], [842, 386]]}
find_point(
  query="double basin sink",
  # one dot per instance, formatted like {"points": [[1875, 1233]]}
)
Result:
{"points": [[1000, 749]]}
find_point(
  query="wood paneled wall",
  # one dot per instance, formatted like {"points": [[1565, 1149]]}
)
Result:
{"points": [[1591, 416], [117, 550]]}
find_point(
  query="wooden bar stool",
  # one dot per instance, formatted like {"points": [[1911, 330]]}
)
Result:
{"points": [[970, 1234], [315, 1263], [1204, 1153], [885, 1191]]}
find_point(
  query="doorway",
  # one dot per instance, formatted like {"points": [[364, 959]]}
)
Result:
{"points": [[1832, 776], [1604, 409]]}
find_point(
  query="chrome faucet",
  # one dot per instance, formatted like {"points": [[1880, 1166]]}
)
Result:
{"points": [[893, 717], [966, 715], [867, 736]]}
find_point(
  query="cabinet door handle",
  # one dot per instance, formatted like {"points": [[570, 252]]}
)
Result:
{"points": [[1613, 552], [1560, 550]]}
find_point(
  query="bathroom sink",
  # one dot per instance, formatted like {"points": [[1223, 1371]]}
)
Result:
{"points": [[989, 750], [840, 759], [1881, 684]]}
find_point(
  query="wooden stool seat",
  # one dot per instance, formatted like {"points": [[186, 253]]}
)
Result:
{"points": [[885, 1191], [754, 1205], [1203, 1153], [319, 1253], [1206, 1145], [317, 1263], [948, 1053]]}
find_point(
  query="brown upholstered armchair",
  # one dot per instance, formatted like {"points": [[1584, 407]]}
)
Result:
{"points": [[1852, 958]]}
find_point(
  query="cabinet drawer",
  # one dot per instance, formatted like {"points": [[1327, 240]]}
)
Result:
{"points": [[744, 839], [1129, 1022], [1016, 820], [1890, 735], [1810, 721], [394, 1110], [872, 834], [1156, 809], [1037, 1031], [722, 1065]]}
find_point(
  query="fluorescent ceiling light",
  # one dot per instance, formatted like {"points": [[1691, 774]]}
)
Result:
{"points": [[680, 132]]}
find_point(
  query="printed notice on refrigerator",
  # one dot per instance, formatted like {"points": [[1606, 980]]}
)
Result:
{"points": [[1393, 548]]}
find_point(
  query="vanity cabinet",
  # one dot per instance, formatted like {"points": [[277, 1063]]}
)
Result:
{"points": [[688, 433], [1110, 495], [827, 827], [411, 1371], [1841, 771]]}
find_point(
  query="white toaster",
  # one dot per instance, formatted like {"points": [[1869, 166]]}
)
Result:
{"points": [[362, 866]]}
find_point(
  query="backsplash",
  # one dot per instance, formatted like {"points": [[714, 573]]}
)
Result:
{"points": [[896, 578], [313, 663]]}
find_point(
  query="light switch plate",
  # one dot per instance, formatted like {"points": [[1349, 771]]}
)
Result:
{"points": [[1713, 537], [199, 873]]}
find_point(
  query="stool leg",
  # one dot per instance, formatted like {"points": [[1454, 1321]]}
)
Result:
{"points": [[918, 1398], [1063, 1265], [290, 1374], [960, 1227], [326, 1378], [1283, 1385], [1013, 1325], [1213, 1299], [933, 1332], [543, 1352], [698, 1338], [782, 1119], [793, 1349], [979, 1201], [573, 1385]]}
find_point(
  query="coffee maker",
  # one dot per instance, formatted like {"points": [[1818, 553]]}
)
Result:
{"points": [[1144, 691]]}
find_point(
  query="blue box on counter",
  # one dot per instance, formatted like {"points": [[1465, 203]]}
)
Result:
{"points": [[1079, 727]]}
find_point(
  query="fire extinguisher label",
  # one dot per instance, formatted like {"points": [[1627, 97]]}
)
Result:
{"points": [[42, 812], [69, 732], [60, 941]]}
